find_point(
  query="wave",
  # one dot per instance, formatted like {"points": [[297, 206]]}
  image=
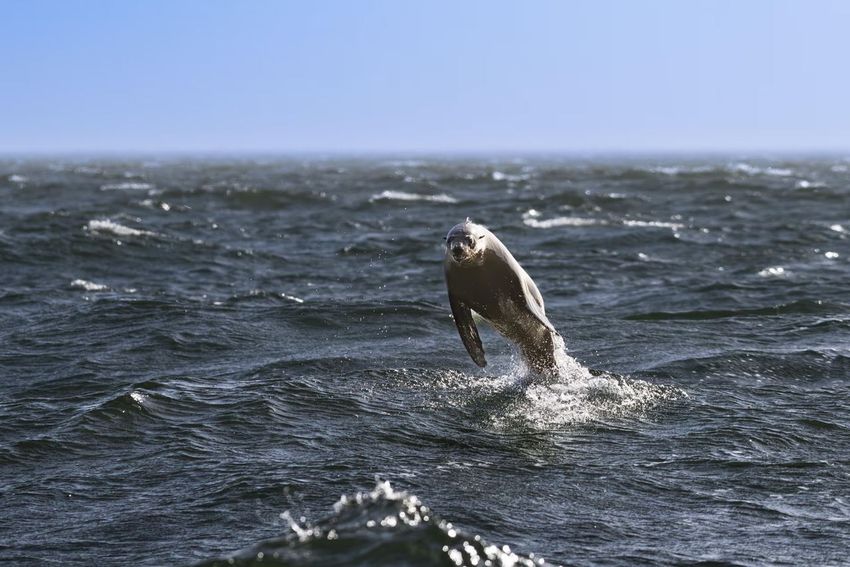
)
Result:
{"points": [[749, 169], [733, 168], [88, 170], [151, 204], [255, 294], [530, 218], [806, 184], [500, 176], [674, 170], [380, 527], [653, 224], [804, 307], [126, 406], [127, 186], [108, 226], [390, 195], [562, 221], [88, 286]]}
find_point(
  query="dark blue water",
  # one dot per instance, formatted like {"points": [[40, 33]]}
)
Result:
{"points": [[252, 361]]}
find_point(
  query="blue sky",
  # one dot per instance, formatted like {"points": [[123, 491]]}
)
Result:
{"points": [[433, 76]]}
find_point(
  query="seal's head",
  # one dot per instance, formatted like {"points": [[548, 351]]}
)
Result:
{"points": [[465, 242]]}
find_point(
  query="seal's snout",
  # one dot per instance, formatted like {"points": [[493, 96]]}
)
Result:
{"points": [[458, 250]]}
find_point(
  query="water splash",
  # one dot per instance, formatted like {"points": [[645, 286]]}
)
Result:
{"points": [[514, 399]]}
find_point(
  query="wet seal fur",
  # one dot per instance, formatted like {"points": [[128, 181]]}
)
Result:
{"points": [[483, 276]]}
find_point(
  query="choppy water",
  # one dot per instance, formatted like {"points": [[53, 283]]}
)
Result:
{"points": [[252, 360]]}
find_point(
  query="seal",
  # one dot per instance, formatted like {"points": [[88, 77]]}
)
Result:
{"points": [[483, 276]]}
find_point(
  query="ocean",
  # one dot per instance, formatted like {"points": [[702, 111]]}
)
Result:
{"points": [[251, 360]]}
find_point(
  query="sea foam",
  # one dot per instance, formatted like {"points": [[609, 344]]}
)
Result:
{"points": [[126, 186], [749, 169], [654, 224], [561, 221], [390, 195], [108, 226], [88, 286], [530, 219]]}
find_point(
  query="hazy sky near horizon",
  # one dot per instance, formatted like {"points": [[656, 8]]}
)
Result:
{"points": [[436, 76]]}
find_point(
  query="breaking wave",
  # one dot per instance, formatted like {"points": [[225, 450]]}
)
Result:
{"points": [[111, 227], [88, 286], [381, 527], [127, 186], [404, 196]]}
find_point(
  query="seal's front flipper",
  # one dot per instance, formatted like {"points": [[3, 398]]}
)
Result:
{"points": [[468, 331], [534, 302]]}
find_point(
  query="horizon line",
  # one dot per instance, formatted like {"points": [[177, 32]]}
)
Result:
{"points": [[353, 153]]}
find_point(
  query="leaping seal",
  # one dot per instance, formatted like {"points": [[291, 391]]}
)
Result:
{"points": [[483, 276]]}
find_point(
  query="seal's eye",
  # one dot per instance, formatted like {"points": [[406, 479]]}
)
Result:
{"points": [[482, 236]]}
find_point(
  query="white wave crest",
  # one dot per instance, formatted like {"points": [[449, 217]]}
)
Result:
{"points": [[654, 224], [15, 178], [404, 196], [379, 517], [108, 226], [779, 171], [749, 169], [88, 286], [151, 204], [560, 221], [87, 170], [529, 218], [806, 184], [773, 272], [674, 170], [500, 176], [126, 186]]}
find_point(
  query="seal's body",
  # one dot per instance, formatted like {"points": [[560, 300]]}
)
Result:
{"points": [[483, 276]]}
